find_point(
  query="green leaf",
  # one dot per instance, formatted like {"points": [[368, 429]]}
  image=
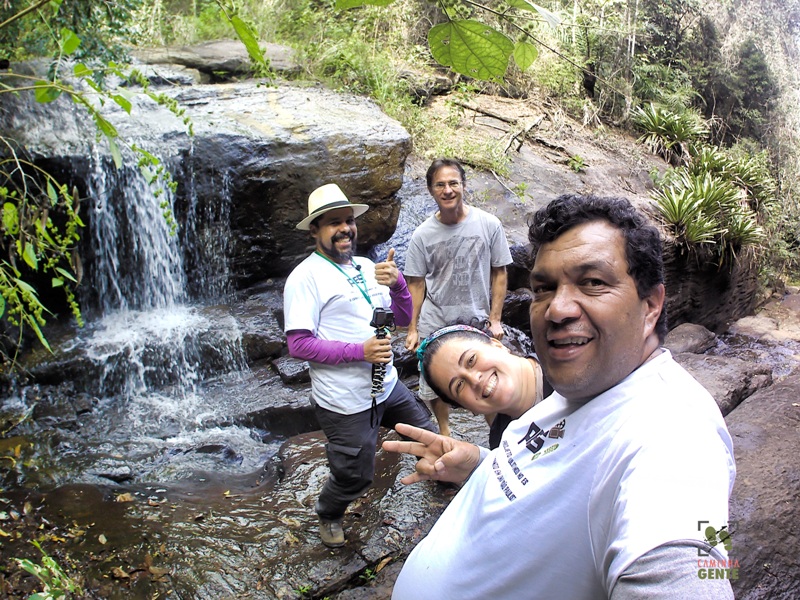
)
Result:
{"points": [[66, 274], [81, 70], [27, 287], [10, 218], [123, 102], [30, 256], [552, 19], [2, 305], [345, 4], [106, 128], [148, 174], [69, 41], [115, 152], [248, 37], [471, 48], [521, 4], [96, 87], [35, 326], [51, 192], [45, 92], [58, 282], [525, 54]]}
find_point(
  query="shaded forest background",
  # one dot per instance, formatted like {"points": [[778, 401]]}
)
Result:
{"points": [[711, 86]]}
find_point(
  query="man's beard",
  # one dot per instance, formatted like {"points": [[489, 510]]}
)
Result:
{"points": [[341, 257]]}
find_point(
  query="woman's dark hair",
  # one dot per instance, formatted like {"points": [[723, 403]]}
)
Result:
{"points": [[643, 248], [444, 162], [437, 340]]}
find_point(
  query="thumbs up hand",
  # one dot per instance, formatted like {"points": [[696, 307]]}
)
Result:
{"points": [[386, 272]]}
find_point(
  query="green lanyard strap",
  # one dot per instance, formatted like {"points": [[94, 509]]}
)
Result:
{"points": [[362, 285]]}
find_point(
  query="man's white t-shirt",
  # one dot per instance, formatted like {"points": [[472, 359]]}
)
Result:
{"points": [[576, 492], [321, 299]]}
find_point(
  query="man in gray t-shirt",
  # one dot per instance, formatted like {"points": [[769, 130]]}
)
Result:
{"points": [[455, 268]]}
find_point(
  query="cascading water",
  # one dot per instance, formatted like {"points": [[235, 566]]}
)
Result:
{"points": [[152, 349], [137, 261]]}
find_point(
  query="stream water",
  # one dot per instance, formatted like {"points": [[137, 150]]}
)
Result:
{"points": [[154, 357], [164, 390], [164, 406]]}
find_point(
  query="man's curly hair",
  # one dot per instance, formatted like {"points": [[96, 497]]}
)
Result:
{"points": [[643, 247]]}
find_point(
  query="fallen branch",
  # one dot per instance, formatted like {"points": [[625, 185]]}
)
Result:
{"points": [[522, 134], [503, 184], [484, 112]]}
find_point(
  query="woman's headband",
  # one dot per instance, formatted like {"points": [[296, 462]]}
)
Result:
{"points": [[423, 346]]}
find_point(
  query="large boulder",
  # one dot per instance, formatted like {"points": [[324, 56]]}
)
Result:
{"points": [[699, 290], [217, 59], [765, 512], [243, 178], [728, 379]]}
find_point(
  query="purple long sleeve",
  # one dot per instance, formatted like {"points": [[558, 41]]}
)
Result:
{"points": [[303, 345], [402, 306]]}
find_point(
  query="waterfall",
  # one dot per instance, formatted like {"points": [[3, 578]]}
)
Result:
{"points": [[161, 353], [149, 333], [137, 263]]}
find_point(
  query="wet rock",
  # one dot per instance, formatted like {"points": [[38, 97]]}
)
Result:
{"points": [[729, 380], [778, 321], [517, 341], [765, 511], [405, 361], [226, 453], [84, 403], [689, 337], [219, 59], [700, 291], [292, 370], [520, 268], [259, 313], [113, 470], [517, 309], [245, 176]]}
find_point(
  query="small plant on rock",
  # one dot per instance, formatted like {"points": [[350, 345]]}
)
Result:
{"points": [[577, 164], [56, 583]]}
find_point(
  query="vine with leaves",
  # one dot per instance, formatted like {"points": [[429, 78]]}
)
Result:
{"points": [[40, 222]]}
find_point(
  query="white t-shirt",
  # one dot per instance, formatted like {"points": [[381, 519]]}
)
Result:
{"points": [[576, 492], [456, 261], [318, 298]]}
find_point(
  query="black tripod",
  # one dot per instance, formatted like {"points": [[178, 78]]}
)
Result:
{"points": [[383, 322]]}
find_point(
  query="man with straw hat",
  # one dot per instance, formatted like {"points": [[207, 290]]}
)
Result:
{"points": [[330, 301]]}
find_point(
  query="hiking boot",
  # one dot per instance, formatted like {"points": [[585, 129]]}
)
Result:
{"points": [[331, 533]]}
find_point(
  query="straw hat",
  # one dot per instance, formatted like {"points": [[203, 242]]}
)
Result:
{"points": [[325, 198]]}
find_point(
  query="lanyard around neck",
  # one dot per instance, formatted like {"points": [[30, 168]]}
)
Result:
{"points": [[361, 285]]}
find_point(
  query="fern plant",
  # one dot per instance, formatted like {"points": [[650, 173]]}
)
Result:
{"points": [[669, 134], [705, 209]]}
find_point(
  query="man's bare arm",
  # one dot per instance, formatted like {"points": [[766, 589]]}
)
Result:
{"points": [[499, 284], [416, 285]]}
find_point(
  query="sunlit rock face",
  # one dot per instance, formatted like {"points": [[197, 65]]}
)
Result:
{"points": [[243, 178]]}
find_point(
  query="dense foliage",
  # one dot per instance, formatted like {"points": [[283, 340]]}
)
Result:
{"points": [[40, 225], [708, 100]]}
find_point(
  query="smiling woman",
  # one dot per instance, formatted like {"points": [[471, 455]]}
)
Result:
{"points": [[469, 369]]}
